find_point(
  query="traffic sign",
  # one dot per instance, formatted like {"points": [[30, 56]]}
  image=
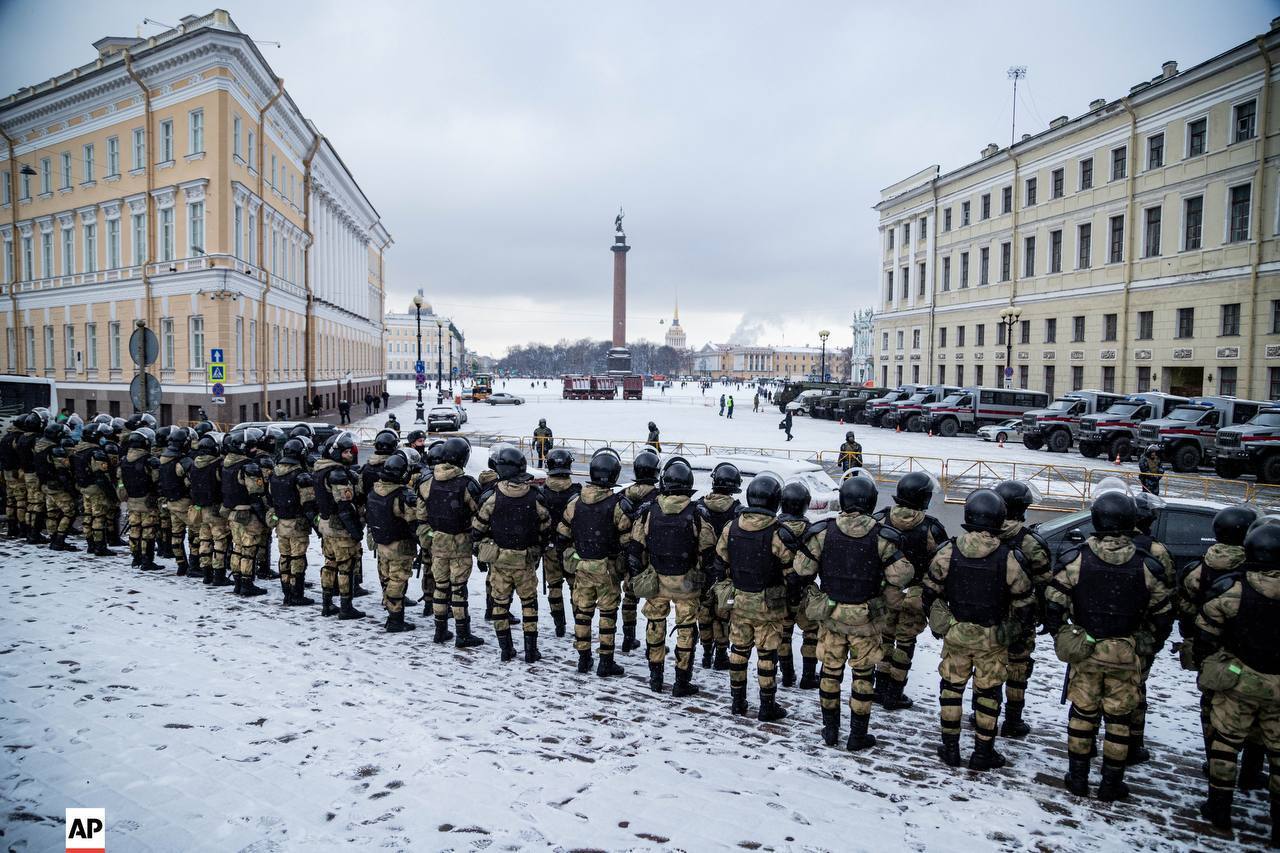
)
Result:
{"points": [[215, 355], [219, 401], [419, 367], [217, 372], [1008, 373], [144, 346], [420, 378], [152, 401], [217, 389]]}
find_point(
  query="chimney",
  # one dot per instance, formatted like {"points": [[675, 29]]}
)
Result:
{"points": [[1169, 69], [111, 45], [1025, 137], [991, 149], [1097, 104], [1138, 87], [1058, 122]]}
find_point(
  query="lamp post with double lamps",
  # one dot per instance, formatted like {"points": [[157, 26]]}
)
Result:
{"points": [[823, 335], [420, 416], [439, 357], [1009, 317]]}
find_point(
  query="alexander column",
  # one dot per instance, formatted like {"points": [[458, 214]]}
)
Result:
{"points": [[619, 355]]}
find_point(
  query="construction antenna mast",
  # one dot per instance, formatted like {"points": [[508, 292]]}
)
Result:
{"points": [[1016, 73]]}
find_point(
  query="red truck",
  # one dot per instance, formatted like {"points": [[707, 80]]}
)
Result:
{"points": [[602, 387]]}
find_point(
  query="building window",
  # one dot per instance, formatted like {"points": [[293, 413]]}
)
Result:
{"points": [[113, 244], [195, 229], [884, 341], [1273, 383], [1006, 200], [68, 251], [959, 336], [1084, 245], [977, 374], [923, 231], [91, 346], [942, 337], [238, 231], [1031, 192], [1077, 328], [1058, 179], [1231, 319], [942, 374], [46, 254], [1146, 325], [920, 281], [8, 261], [906, 226], [964, 213], [251, 150], [1243, 121], [915, 339], [959, 374], [906, 282], [113, 157], [31, 348], [238, 363], [964, 270], [139, 239], [1109, 327], [1024, 332], [236, 151], [1055, 251], [946, 219], [1275, 321], [1197, 134], [69, 347], [946, 274], [26, 187], [984, 265], [1086, 174], [1051, 330], [90, 247], [1109, 379], [1151, 234], [46, 175], [892, 232], [1192, 222], [1119, 162], [166, 141], [1115, 253], [195, 132], [1024, 376], [1048, 380], [1239, 209], [166, 234], [1227, 381], [900, 337], [986, 206], [1155, 151], [196, 341], [888, 286], [1006, 261], [90, 174], [48, 347], [6, 189], [1029, 257], [253, 244], [979, 335], [1186, 322], [139, 148], [1144, 379]]}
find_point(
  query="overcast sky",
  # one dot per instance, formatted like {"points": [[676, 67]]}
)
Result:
{"points": [[747, 141]]}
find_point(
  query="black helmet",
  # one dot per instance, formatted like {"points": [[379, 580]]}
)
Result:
{"points": [[58, 452], [43, 414], [1153, 450], [344, 445], [645, 466], [560, 461], [848, 436], [1114, 513], [74, 421], [111, 448], [251, 439], [1017, 497], [677, 478], [207, 446], [251, 470], [394, 470], [89, 435], [162, 435], [795, 499], [726, 479], [118, 425], [432, 456], [102, 418], [134, 421], [179, 438], [914, 491], [385, 442], [148, 420], [416, 439], [455, 451], [764, 491], [392, 417], [55, 432], [302, 429], [542, 422], [139, 439], [1231, 524], [293, 451], [1262, 545], [605, 468], [858, 495], [509, 463], [652, 425], [411, 456], [272, 438], [984, 511], [1147, 507], [203, 428]]}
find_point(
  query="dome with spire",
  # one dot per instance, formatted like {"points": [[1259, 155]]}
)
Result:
{"points": [[426, 306], [675, 334]]}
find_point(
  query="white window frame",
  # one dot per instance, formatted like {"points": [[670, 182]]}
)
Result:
{"points": [[113, 156], [166, 234], [167, 343], [195, 132], [236, 150], [138, 229], [166, 141], [91, 346], [89, 166], [48, 347], [113, 244], [69, 346], [113, 345], [253, 244], [1164, 150], [1111, 163], [1182, 221], [1226, 223], [46, 175], [238, 364], [6, 189], [67, 175], [68, 251], [195, 229], [46, 254], [1146, 236], [1236, 105], [11, 349], [139, 148], [249, 149], [90, 236], [195, 328], [1186, 136], [31, 348], [238, 229]]}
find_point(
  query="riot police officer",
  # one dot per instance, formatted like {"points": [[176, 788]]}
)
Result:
{"points": [[718, 508], [1117, 604], [56, 485], [979, 600], [33, 497], [205, 480], [88, 468], [15, 493], [794, 505], [641, 493], [293, 503], [341, 526], [175, 488], [139, 471], [237, 509], [384, 444], [391, 514], [1148, 508], [850, 453], [555, 496], [431, 458], [164, 533], [448, 504], [592, 532]]}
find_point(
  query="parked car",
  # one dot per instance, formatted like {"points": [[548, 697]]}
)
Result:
{"points": [[1002, 431], [1057, 425], [502, 398], [1187, 438], [824, 493], [909, 414], [878, 407], [802, 404], [1115, 429], [1184, 526], [1252, 448], [445, 417], [971, 408]]}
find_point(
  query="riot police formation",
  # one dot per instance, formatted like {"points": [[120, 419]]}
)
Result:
{"points": [[860, 585]]}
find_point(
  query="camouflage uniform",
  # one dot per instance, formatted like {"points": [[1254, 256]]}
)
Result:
{"points": [[293, 505], [1039, 564], [850, 455], [45, 474], [795, 616], [394, 537], [1109, 682], [320, 469], [639, 496], [718, 509], [89, 467], [511, 528], [175, 491], [343, 531], [248, 526], [595, 567], [852, 631], [450, 551], [140, 490], [423, 532], [205, 479], [60, 500], [164, 526], [32, 497], [556, 495], [1138, 720], [1194, 583], [977, 644], [920, 536], [15, 491]]}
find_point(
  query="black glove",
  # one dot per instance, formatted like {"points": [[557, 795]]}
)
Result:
{"points": [[927, 597], [1054, 616], [634, 564], [484, 567]]}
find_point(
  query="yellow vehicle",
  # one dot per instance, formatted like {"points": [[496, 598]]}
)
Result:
{"points": [[482, 386]]}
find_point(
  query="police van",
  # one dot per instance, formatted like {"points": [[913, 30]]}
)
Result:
{"points": [[1056, 426], [1188, 436], [1252, 448], [876, 409], [1115, 430], [909, 413], [968, 409]]}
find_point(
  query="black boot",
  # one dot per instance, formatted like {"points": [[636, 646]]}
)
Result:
{"points": [[1013, 726], [326, 604], [984, 755], [299, 595], [287, 589], [893, 698], [684, 685], [585, 661], [506, 646], [465, 639], [788, 666], [1251, 776], [149, 560], [1077, 778], [396, 624], [830, 726], [488, 607], [608, 667], [101, 550], [59, 543], [208, 573], [557, 619], [345, 608], [655, 677], [249, 589], [858, 737], [135, 554], [183, 566], [164, 549], [809, 674], [949, 752], [878, 688], [707, 649], [770, 711], [15, 527], [721, 662], [34, 535], [738, 701], [1138, 752], [235, 590], [1113, 787], [629, 641], [220, 577], [1217, 809], [442, 634], [1275, 821], [531, 653]]}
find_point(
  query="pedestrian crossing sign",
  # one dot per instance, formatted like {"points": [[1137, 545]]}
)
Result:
{"points": [[217, 372]]}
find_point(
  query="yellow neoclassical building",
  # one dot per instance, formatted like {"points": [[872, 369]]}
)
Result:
{"points": [[173, 180], [1132, 248]]}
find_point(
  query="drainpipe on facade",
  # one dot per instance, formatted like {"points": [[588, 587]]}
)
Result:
{"points": [[1131, 226], [1251, 339], [306, 264], [1016, 208], [382, 307], [933, 296], [262, 230], [18, 348], [151, 178]]}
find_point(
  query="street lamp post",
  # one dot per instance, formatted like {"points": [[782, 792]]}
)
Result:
{"points": [[439, 363], [451, 360], [420, 415], [823, 335], [1009, 317]]}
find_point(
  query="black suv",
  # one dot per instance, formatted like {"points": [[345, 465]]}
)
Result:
{"points": [[1251, 448], [1185, 528]]}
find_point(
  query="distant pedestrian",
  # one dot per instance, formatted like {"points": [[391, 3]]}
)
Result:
{"points": [[392, 424], [377, 404], [755, 402], [279, 413], [1152, 470], [653, 440], [729, 409], [722, 405], [850, 453], [315, 406], [344, 412], [786, 424], [386, 399], [542, 440], [368, 404]]}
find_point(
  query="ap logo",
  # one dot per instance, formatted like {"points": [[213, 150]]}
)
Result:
{"points": [[86, 830]]}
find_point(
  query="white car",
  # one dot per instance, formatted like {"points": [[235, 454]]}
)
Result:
{"points": [[800, 405], [1003, 431], [824, 494]]}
